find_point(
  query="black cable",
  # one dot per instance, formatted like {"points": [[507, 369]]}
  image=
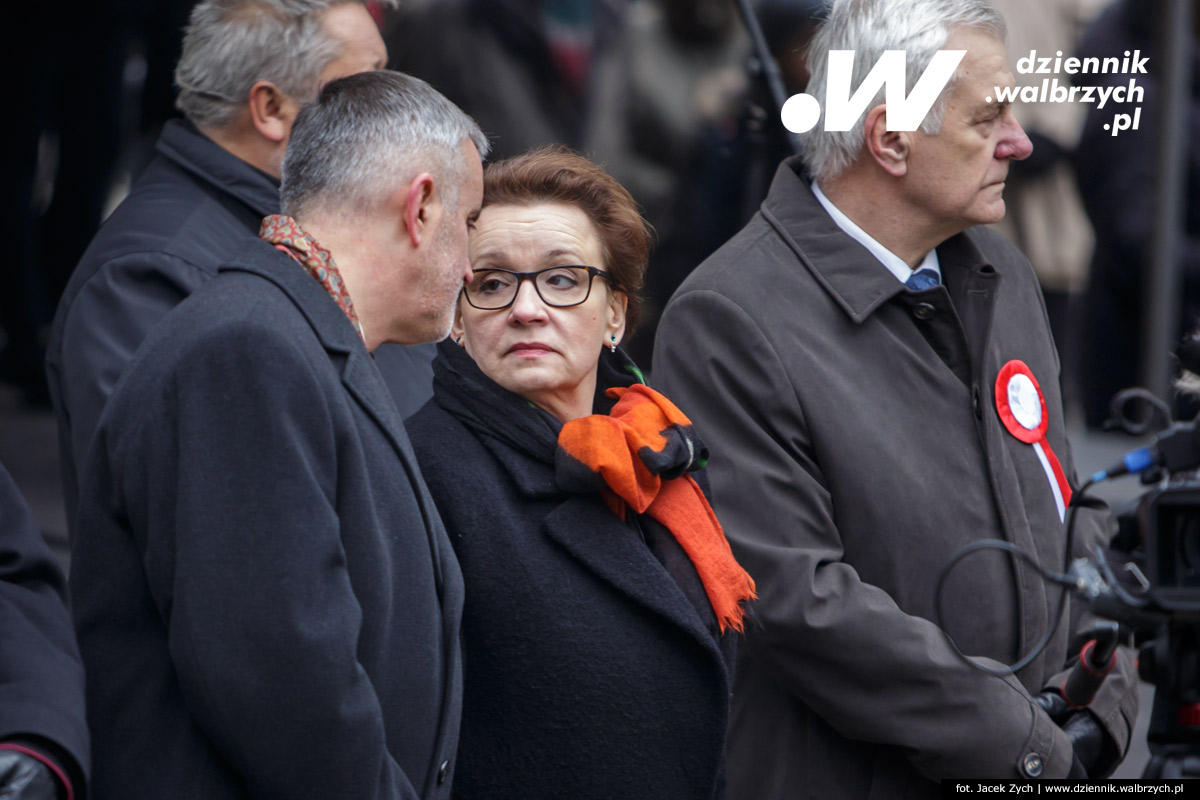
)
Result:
{"points": [[1062, 579]]}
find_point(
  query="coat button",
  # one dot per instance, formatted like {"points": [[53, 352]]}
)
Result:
{"points": [[1031, 765], [923, 311], [443, 772]]}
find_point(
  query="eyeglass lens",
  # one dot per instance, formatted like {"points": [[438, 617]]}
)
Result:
{"points": [[557, 286]]}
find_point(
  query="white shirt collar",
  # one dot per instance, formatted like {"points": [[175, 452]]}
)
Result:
{"points": [[893, 262]]}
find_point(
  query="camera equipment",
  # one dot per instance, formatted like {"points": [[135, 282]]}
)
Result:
{"points": [[1147, 580], [1154, 588]]}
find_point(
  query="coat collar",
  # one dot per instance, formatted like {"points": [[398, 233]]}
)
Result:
{"points": [[328, 321], [852, 276], [182, 143]]}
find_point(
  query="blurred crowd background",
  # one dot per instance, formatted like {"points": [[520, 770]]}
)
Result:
{"points": [[666, 94]]}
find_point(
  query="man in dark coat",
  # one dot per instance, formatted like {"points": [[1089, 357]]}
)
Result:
{"points": [[865, 427], [43, 735], [246, 67], [266, 600]]}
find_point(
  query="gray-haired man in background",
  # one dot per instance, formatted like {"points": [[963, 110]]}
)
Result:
{"points": [[266, 601], [246, 68], [875, 374]]}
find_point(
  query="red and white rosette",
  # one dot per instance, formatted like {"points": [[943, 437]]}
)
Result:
{"points": [[1022, 409]]}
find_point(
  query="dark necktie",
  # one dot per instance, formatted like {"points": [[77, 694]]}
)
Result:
{"points": [[922, 279]]}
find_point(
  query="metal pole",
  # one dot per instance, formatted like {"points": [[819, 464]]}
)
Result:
{"points": [[767, 68], [1162, 280]]}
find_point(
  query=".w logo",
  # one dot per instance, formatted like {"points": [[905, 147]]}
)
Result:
{"points": [[842, 110]]}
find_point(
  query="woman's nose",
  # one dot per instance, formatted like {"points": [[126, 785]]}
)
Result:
{"points": [[528, 305]]}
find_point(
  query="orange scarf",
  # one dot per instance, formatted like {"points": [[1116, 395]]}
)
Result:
{"points": [[642, 450]]}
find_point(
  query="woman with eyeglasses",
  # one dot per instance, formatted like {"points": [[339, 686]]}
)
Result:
{"points": [[602, 600]]}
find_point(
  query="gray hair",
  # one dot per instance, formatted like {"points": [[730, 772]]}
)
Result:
{"points": [[232, 44], [365, 132], [870, 27]]}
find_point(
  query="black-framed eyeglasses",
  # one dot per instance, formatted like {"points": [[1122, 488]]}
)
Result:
{"points": [[560, 287]]}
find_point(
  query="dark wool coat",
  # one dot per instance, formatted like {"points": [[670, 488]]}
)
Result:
{"points": [[266, 600], [856, 448], [194, 208], [41, 676], [589, 671]]}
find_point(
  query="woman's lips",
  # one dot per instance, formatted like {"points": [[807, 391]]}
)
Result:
{"points": [[530, 349]]}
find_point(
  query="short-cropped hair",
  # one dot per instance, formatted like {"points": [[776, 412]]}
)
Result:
{"points": [[230, 45], [366, 133], [555, 174], [869, 28]]}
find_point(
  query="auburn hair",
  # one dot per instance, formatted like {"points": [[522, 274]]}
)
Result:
{"points": [[555, 174]]}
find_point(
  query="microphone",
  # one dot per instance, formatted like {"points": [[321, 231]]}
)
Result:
{"points": [[1175, 449]]}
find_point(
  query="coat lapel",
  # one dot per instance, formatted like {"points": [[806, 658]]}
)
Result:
{"points": [[359, 374], [613, 552]]}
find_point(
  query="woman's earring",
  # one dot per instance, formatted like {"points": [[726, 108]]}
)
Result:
{"points": [[613, 346], [458, 340]]}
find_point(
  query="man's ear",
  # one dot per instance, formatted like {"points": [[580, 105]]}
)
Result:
{"points": [[458, 328], [420, 207], [272, 111], [890, 149]]}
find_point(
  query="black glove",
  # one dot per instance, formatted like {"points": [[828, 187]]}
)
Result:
{"points": [[1088, 740], [25, 778], [1094, 751], [1054, 705]]}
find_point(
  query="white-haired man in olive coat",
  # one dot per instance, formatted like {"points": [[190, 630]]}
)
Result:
{"points": [[875, 375]]}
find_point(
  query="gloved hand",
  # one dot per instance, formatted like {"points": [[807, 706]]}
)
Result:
{"points": [[1094, 751], [25, 778], [1087, 740], [1054, 705]]}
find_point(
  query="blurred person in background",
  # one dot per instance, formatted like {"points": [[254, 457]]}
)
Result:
{"points": [[1044, 214], [531, 72], [724, 170], [1116, 176]]}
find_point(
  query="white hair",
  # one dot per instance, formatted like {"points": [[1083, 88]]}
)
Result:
{"points": [[869, 28], [363, 133], [230, 45]]}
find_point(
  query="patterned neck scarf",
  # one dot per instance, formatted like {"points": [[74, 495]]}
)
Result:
{"points": [[285, 233]]}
